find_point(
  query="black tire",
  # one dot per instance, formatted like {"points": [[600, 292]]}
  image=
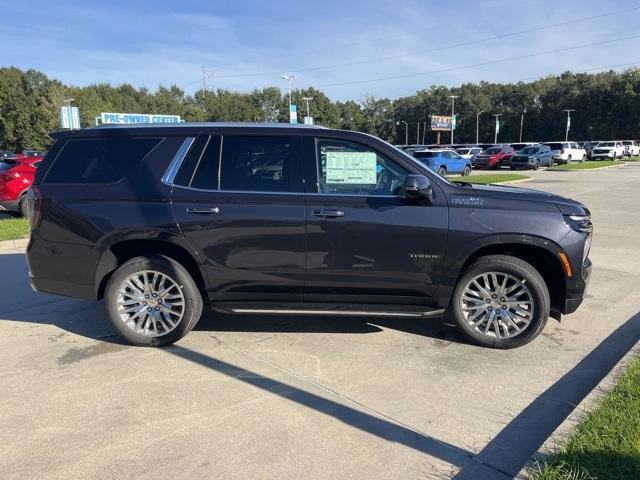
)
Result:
{"points": [[442, 171], [512, 167], [177, 273], [24, 209], [536, 164], [584, 159], [467, 171], [568, 160], [519, 269]]}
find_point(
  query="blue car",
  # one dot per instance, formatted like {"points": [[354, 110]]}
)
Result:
{"points": [[445, 162], [532, 157]]}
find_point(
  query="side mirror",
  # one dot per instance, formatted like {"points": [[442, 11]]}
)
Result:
{"points": [[417, 187]]}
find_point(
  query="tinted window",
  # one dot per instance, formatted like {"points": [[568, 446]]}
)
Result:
{"points": [[555, 146], [106, 160], [200, 166], [424, 154], [254, 163], [351, 168], [492, 151], [530, 150]]}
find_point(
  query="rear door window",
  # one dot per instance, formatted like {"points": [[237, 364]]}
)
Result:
{"points": [[256, 163], [105, 160]]}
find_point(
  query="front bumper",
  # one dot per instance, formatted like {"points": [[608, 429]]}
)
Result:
{"points": [[9, 205], [576, 291]]}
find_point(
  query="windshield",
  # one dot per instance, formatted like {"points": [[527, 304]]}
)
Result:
{"points": [[493, 151], [463, 151], [606, 144], [627, 142], [529, 150], [7, 165]]}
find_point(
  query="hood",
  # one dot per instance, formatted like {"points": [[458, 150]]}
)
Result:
{"points": [[566, 206]]}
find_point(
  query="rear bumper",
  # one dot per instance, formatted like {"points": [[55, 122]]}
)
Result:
{"points": [[62, 288], [9, 205]]}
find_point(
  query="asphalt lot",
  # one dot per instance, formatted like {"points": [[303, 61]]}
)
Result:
{"points": [[323, 397]]}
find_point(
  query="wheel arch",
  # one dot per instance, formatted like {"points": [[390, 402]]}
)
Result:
{"points": [[124, 250], [543, 259]]}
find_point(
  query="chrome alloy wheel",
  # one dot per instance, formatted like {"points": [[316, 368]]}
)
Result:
{"points": [[497, 305], [150, 303]]}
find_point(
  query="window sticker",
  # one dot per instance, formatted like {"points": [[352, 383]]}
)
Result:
{"points": [[351, 168]]}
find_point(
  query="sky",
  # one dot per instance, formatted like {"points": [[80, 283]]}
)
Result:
{"points": [[348, 48]]}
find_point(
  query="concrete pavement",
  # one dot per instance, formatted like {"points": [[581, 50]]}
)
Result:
{"points": [[323, 397]]}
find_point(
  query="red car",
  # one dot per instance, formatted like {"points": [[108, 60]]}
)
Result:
{"points": [[494, 157], [16, 176]]}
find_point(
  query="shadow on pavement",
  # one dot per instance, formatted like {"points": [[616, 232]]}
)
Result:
{"points": [[512, 448], [372, 424]]}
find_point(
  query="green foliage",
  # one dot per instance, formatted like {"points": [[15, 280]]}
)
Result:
{"points": [[486, 179], [587, 165], [607, 443], [14, 228], [606, 107]]}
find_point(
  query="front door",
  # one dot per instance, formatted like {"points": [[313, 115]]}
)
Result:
{"points": [[238, 200], [366, 242]]}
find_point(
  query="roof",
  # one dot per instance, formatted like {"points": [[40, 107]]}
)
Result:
{"points": [[192, 128]]}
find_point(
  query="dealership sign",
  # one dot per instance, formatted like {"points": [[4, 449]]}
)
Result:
{"points": [[107, 117], [442, 122]]}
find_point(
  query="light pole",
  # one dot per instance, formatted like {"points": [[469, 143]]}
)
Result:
{"points": [[566, 134], [288, 77], [522, 123], [478, 126], [453, 102], [406, 131], [495, 138], [307, 100], [424, 131]]}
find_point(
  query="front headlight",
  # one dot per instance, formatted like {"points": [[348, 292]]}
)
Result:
{"points": [[582, 224]]}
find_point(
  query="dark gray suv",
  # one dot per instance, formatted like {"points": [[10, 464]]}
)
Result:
{"points": [[293, 220]]}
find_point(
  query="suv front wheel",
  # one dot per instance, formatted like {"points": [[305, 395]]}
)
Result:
{"points": [[152, 301], [500, 302]]}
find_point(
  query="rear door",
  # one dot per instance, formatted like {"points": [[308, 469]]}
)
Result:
{"points": [[238, 199], [367, 243]]}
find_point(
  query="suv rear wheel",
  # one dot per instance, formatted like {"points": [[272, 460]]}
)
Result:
{"points": [[152, 301], [442, 171], [500, 302], [467, 171]]}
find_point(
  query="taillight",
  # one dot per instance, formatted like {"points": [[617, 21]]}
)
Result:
{"points": [[34, 204]]}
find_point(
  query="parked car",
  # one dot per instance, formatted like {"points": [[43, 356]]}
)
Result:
{"points": [[4, 154], [16, 177], [608, 150], [567, 152], [519, 146], [588, 147], [534, 157], [266, 219], [444, 161], [468, 152], [494, 157], [631, 148]]}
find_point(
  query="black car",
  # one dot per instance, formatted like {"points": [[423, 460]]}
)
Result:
{"points": [[279, 219], [532, 157]]}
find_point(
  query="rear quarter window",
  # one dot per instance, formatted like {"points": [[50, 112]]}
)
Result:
{"points": [[105, 160]]}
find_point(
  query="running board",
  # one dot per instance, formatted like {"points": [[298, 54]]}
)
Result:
{"points": [[350, 313]]}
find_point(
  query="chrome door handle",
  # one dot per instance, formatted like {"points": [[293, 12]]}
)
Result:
{"points": [[328, 213], [202, 210]]}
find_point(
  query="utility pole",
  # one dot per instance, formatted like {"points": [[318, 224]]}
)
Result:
{"points": [[418, 135], [495, 138], [453, 102], [205, 74], [566, 135], [522, 123], [424, 131], [307, 100], [478, 126]]}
